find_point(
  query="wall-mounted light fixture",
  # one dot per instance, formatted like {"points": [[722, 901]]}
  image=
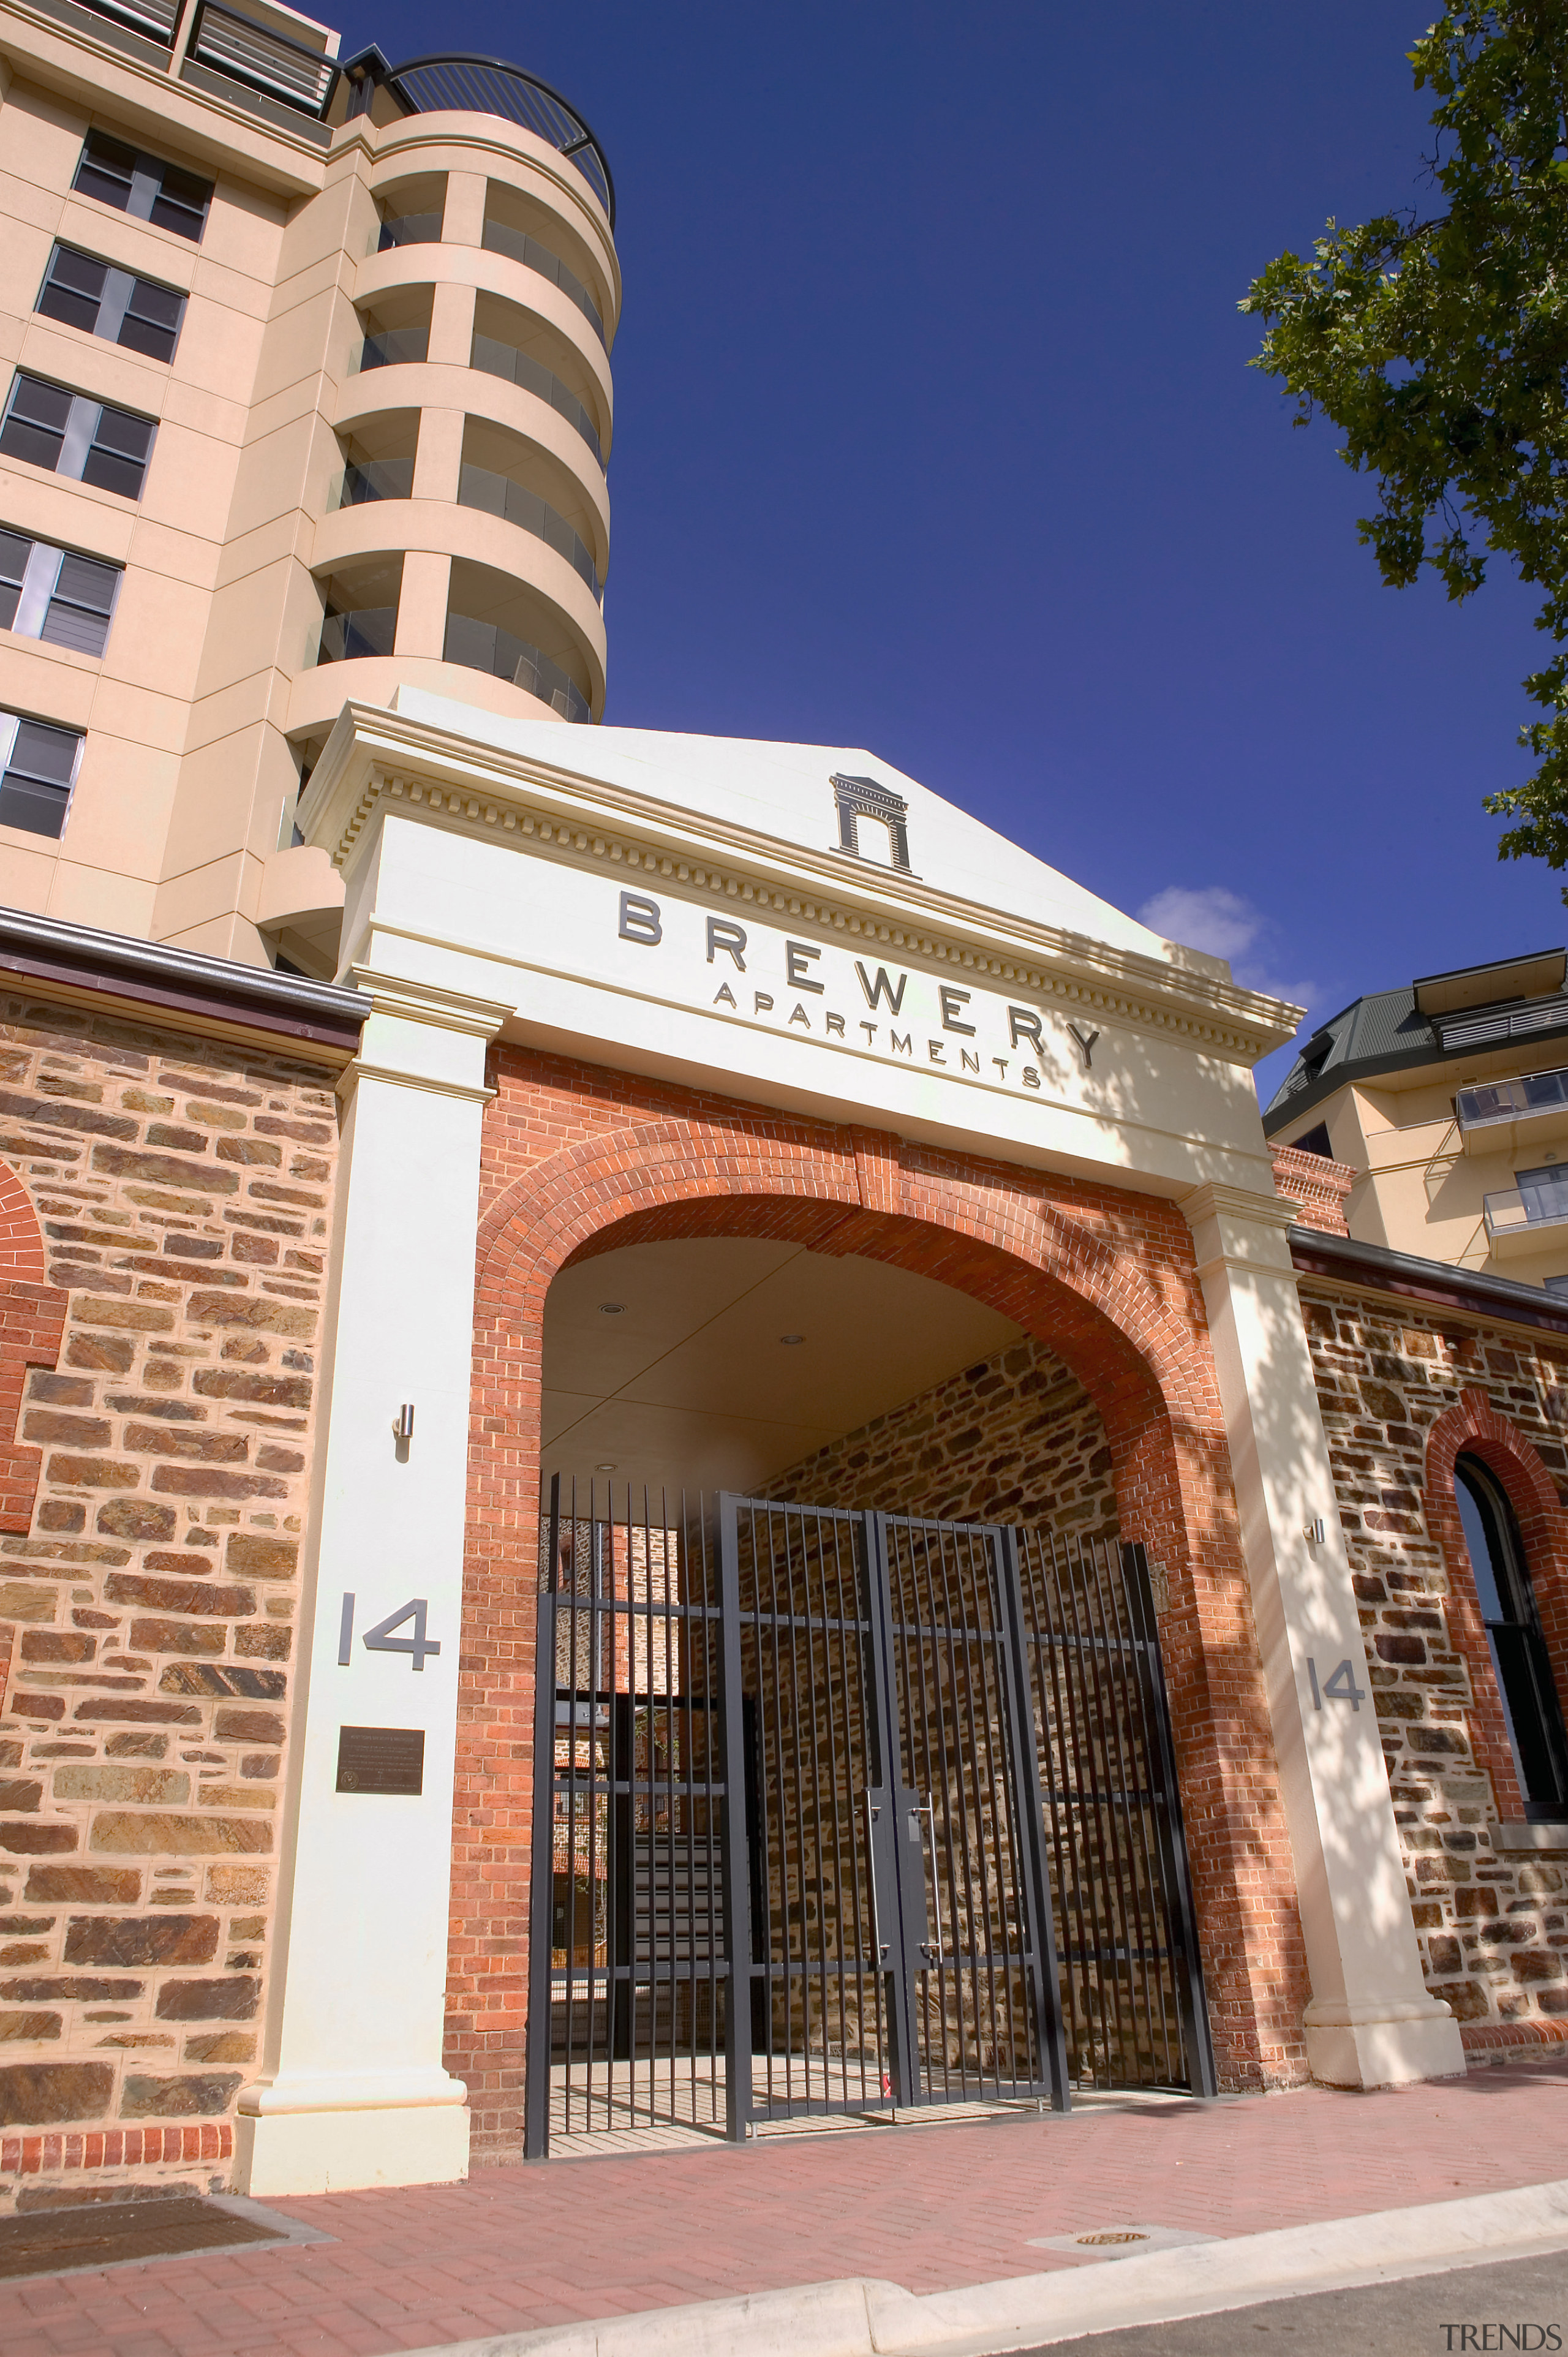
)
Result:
{"points": [[403, 1427]]}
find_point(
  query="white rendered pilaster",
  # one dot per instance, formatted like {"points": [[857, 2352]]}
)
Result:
{"points": [[352, 2091], [1371, 2022]]}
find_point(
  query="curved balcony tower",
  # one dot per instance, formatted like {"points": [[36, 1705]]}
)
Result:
{"points": [[381, 440]]}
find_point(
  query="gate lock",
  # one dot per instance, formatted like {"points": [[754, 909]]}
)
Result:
{"points": [[897, 1823]]}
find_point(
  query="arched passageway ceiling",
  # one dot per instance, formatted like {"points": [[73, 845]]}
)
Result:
{"points": [[687, 1382]]}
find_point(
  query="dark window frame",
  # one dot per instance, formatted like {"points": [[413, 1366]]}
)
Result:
{"points": [[97, 437], [59, 596], [29, 793], [157, 191], [81, 290], [1521, 1666]]}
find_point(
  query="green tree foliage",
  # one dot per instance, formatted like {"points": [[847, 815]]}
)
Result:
{"points": [[1440, 347]]}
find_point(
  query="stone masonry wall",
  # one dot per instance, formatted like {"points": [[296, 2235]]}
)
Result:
{"points": [[1492, 1925], [182, 1187], [1016, 1439]]}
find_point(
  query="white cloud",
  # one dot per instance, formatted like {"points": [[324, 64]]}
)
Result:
{"points": [[1211, 919], [1215, 918]]}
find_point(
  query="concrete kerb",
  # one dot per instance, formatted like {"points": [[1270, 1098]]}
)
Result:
{"points": [[862, 2316]]}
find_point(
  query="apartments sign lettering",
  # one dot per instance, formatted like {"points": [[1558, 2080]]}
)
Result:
{"points": [[906, 1015]]}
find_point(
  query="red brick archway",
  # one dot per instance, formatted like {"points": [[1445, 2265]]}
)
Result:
{"points": [[32, 1319], [579, 1160], [1474, 1428]]}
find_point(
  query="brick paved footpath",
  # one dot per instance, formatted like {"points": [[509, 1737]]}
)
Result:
{"points": [[930, 2206]]}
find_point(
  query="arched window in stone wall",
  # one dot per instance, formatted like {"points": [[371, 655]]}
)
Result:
{"points": [[1523, 1668]]}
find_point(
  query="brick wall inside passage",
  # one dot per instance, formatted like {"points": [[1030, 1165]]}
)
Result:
{"points": [[182, 1189], [1016, 1439], [1493, 1926]]}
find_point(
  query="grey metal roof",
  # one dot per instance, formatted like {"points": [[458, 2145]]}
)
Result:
{"points": [[1385, 1032]]}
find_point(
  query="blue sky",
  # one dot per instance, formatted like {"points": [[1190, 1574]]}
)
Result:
{"points": [[935, 434]]}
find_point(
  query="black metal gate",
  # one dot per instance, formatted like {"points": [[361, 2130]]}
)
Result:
{"points": [[846, 1812]]}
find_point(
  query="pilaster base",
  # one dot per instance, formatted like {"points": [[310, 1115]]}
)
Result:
{"points": [[345, 2152], [1377, 2045]]}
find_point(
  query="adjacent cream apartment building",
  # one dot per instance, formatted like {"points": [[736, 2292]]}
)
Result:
{"points": [[304, 390], [1446, 1104]]}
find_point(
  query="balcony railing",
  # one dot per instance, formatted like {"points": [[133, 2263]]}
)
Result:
{"points": [[1532, 1092], [409, 229], [393, 347], [469, 84], [368, 630], [480, 486], [272, 64], [373, 478], [1511, 1212], [485, 646], [499, 239], [505, 360]]}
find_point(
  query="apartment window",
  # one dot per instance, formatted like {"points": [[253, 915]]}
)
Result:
{"points": [[1507, 1598], [104, 301], [1544, 1191], [143, 186], [54, 595], [38, 772], [71, 434]]}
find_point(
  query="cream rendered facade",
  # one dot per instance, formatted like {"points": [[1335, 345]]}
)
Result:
{"points": [[208, 701], [1468, 1091]]}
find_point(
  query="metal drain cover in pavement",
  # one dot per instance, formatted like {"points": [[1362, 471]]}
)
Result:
{"points": [[1119, 2241], [106, 2233]]}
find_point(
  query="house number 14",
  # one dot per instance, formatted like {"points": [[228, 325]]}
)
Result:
{"points": [[381, 1638], [1338, 1686]]}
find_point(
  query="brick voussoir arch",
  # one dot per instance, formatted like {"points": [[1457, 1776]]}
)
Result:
{"points": [[1108, 1282], [578, 1195], [1474, 1427], [32, 1320]]}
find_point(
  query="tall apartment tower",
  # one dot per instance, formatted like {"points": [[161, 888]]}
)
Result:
{"points": [[304, 394]]}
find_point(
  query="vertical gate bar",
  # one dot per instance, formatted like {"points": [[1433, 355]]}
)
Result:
{"points": [[1050, 1668], [947, 1639], [1029, 1802], [949, 1644], [777, 1837], [791, 1839], [1137, 1716], [536, 2066], [837, 1654], [736, 1870], [1008, 1933], [908, 1665], [971, 1651], [1151, 1879], [905, 2072], [590, 1674], [1000, 1868], [1203, 2077], [816, 1637], [1078, 1667], [573, 1807], [1114, 1653], [698, 1584], [850, 1620]]}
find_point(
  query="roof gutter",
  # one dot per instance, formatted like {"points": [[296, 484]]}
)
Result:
{"points": [[80, 965]]}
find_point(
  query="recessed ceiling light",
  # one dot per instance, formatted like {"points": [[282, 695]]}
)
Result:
{"points": [[611, 1309], [791, 1337], [605, 1468]]}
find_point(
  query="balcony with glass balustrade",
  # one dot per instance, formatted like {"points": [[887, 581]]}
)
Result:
{"points": [[1513, 1116]]}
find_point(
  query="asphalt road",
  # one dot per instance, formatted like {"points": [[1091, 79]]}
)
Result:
{"points": [[1425, 2315]]}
